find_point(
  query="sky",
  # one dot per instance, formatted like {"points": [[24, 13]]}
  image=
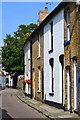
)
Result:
{"points": [[14, 14]]}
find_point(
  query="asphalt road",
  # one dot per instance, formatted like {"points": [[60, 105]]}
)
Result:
{"points": [[11, 107]]}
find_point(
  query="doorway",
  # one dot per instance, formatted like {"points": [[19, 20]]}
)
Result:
{"points": [[68, 89], [75, 86]]}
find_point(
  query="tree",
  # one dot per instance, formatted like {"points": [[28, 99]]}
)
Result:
{"points": [[12, 53]]}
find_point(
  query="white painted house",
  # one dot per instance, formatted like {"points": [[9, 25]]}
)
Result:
{"points": [[53, 58], [27, 61], [10, 80]]}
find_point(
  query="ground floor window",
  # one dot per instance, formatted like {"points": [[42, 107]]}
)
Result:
{"points": [[51, 62]]}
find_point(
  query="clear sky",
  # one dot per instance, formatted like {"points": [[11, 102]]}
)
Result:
{"points": [[17, 13]]}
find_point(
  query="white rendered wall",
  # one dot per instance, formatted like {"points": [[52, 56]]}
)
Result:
{"points": [[27, 64], [58, 49], [10, 81]]}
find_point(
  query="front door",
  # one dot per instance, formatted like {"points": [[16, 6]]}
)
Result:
{"points": [[75, 86]]}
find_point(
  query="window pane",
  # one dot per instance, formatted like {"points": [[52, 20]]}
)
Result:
{"points": [[67, 18], [68, 33]]}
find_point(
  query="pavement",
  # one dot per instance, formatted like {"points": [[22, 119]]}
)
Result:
{"points": [[49, 111]]}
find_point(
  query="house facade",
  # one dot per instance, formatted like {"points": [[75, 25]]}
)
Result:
{"points": [[71, 53], [38, 58], [33, 59], [53, 53], [27, 67], [37, 65]]}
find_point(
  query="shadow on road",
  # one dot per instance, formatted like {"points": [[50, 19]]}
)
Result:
{"points": [[4, 115]]}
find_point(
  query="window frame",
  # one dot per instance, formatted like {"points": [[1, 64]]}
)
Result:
{"points": [[39, 80], [67, 19], [38, 47], [51, 77], [51, 37], [68, 25]]}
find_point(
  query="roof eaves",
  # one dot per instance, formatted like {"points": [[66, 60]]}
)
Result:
{"points": [[46, 20]]}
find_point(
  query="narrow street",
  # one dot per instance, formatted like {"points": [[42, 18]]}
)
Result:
{"points": [[13, 108]]}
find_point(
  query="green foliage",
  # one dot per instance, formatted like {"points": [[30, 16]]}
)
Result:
{"points": [[12, 53]]}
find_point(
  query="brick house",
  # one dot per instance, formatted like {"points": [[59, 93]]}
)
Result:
{"points": [[71, 53], [38, 58], [36, 48]]}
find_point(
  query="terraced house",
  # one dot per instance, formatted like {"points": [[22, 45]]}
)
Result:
{"points": [[71, 55], [55, 58]]}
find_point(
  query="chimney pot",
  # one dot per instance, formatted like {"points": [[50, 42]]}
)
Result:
{"points": [[46, 8]]}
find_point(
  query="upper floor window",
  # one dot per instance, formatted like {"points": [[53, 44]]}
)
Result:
{"points": [[67, 25], [28, 54], [51, 39], [39, 46]]}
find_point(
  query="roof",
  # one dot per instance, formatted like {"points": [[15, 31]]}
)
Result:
{"points": [[47, 19]]}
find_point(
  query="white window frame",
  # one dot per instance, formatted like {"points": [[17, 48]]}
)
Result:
{"points": [[51, 80], [39, 81], [67, 25], [28, 53], [51, 36], [39, 46]]}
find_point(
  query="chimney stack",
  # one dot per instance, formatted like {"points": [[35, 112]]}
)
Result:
{"points": [[42, 15]]}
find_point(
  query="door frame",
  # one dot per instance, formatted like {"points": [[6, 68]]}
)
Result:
{"points": [[68, 89], [75, 84]]}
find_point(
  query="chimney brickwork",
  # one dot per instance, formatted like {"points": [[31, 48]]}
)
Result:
{"points": [[42, 15]]}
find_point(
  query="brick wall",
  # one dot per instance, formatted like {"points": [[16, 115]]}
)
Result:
{"points": [[71, 51], [79, 61], [42, 15], [37, 63]]}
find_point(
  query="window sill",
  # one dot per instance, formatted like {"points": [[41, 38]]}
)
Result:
{"points": [[38, 57], [50, 51], [51, 94], [67, 42]]}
